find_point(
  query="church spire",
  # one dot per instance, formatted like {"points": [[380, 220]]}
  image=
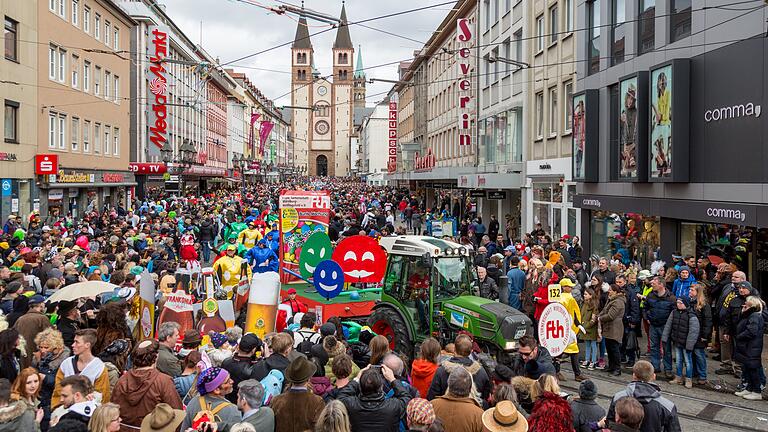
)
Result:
{"points": [[343, 40], [301, 41], [359, 72]]}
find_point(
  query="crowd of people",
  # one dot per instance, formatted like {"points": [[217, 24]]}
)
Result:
{"points": [[83, 365]]}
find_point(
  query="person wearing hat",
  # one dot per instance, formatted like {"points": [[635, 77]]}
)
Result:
{"points": [[295, 304], [140, 389], [250, 236], [69, 321], [190, 342], [572, 350], [163, 418], [213, 385], [733, 309], [585, 409], [297, 408], [31, 324], [504, 417], [682, 330], [419, 414], [242, 366]]}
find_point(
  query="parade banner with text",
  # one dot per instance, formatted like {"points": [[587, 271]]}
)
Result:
{"points": [[301, 214]]}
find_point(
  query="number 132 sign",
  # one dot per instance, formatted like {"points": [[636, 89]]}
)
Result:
{"points": [[555, 329]]}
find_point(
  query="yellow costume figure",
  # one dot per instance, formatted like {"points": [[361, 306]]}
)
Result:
{"points": [[567, 300], [249, 237], [228, 268]]}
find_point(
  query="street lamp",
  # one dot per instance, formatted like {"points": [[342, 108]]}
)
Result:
{"points": [[241, 164], [186, 158]]}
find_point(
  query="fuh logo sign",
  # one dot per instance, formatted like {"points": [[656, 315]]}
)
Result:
{"points": [[731, 112]]}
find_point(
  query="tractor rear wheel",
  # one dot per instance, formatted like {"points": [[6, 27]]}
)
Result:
{"points": [[388, 323]]}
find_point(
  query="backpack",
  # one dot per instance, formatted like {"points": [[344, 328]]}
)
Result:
{"points": [[306, 344], [206, 414]]}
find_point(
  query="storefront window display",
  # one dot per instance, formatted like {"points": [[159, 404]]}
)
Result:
{"points": [[718, 242], [632, 236], [548, 209]]}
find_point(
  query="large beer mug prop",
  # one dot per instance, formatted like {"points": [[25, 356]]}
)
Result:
{"points": [[262, 303]]}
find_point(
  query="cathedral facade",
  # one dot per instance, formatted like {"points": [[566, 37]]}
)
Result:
{"points": [[323, 105]]}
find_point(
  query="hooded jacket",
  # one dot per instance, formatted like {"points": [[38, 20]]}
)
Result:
{"points": [[682, 329], [422, 373], [16, 417], [749, 338], [658, 308], [207, 231], [534, 368], [480, 378], [140, 390], [660, 412], [682, 287]]}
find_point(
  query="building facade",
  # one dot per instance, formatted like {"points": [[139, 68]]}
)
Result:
{"points": [[83, 120], [669, 158], [497, 185], [551, 50], [322, 107], [18, 90], [443, 75], [374, 135]]}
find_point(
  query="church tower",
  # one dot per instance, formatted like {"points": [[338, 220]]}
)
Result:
{"points": [[359, 80], [302, 65], [343, 55]]}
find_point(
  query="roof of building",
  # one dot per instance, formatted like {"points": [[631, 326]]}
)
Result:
{"points": [[301, 40], [359, 71], [342, 34], [359, 114]]}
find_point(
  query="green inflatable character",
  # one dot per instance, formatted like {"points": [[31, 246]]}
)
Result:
{"points": [[232, 239], [317, 248]]}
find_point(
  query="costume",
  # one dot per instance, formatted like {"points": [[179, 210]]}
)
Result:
{"points": [[229, 268], [249, 237], [262, 258]]}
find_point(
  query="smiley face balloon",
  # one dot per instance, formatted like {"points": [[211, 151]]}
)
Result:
{"points": [[328, 279], [361, 258], [317, 248]]}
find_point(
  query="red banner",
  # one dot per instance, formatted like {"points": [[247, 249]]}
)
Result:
{"points": [[266, 128]]}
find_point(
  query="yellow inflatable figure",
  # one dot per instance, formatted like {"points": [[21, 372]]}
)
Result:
{"points": [[228, 269], [567, 300]]}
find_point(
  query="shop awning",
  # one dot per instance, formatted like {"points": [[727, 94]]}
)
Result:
{"points": [[84, 185]]}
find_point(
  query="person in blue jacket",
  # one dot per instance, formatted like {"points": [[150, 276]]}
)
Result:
{"points": [[682, 285], [273, 240], [516, 283], [262, 258]]}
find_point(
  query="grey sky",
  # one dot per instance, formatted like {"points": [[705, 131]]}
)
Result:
{"points": [[233, 28]]}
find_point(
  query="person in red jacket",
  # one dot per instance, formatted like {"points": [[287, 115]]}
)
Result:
{"points": [[541, 297], [423, 369]]}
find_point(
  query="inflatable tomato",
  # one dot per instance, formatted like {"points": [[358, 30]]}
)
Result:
{"points": [[361, 258]]}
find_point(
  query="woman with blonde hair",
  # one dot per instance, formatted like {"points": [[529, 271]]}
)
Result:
{"points": [[545, 383], [333, 418], [105, 418], [700, 307], [50, 353]]}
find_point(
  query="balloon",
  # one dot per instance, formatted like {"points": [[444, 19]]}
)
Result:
{"points": [[328, 279], [317, 248], [361, 258]]}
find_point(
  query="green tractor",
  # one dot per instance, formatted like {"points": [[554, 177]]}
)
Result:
{"points": [[427, 291]]}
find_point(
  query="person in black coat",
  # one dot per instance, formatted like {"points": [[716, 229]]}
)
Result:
{"points": [[368, 408], [749, 346], [9, 354], [243, 365], [585, 409], [631, 320], [463, 347], [69, 322]]}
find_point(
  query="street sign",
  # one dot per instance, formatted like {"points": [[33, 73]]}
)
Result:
{"points": [[555, 329], [7, 185], [477, 193]]}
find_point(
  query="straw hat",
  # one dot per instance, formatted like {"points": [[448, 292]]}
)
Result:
{"points": [[504, 418]]}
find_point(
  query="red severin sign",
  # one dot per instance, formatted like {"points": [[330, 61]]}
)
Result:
{"points": [[424, 163], [147, 168], [46, 164], [392, 148], [157, 76], [465, 41]]}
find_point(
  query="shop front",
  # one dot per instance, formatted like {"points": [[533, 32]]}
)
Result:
{"points": [[196, 178], [18, 194], [436, 184], [642, 229], [548, 197], [495, 194], [76, 192]]}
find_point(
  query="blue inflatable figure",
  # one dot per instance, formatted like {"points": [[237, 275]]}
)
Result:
{"points": [[262, 258]]}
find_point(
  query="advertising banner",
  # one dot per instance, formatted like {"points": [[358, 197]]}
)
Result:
{"points": [[157, 85], [301, 214]]}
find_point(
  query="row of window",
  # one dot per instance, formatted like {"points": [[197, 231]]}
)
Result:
{"points": [[105, 84], [553, 126], [679, 22], [102, 139], [493, 9], [542, 36], [104, 32], [497, 69]]}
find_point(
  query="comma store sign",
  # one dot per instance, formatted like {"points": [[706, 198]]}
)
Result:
{"points": [[735, 111]]}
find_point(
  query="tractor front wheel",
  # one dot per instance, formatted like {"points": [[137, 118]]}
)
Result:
{"points": [[388, 323]]}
